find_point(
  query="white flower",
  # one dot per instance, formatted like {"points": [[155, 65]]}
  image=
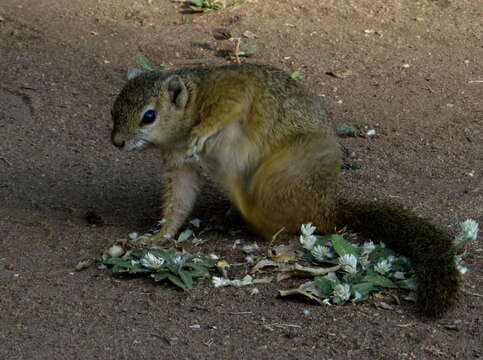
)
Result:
{"points": [[460, 265], [348, 263], [357, 296], [468, 233], [342, 293], [213, 257], [151, 261], [320, 252], [384, 266], [178, 260], [462, 269], [307, 229], [307, 239], [307, 242], [368, 247], [133, 235], [470, 227], [135, 262]]}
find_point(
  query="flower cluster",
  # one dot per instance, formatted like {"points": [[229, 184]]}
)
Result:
{"points": [[151, 261], [307, 238]]}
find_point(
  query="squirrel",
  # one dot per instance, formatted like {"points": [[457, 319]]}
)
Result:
{"points": [[265, 141]]}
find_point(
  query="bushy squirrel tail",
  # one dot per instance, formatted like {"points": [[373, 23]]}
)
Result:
{"points": [[430, 249]]}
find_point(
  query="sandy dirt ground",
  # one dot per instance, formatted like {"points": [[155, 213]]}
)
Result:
{"points": [[416, 69]]}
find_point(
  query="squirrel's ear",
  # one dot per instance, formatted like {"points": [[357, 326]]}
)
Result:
{"points": [[133, 73], [178, 94]]}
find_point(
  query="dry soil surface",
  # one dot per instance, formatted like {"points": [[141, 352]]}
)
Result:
{"points": [[416, 72]]}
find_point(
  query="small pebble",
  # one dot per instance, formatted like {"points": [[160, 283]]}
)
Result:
{"points": [[115, 251]]}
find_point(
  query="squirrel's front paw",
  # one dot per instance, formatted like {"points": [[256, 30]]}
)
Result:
{"points": [[197, 143], [160, 240]]}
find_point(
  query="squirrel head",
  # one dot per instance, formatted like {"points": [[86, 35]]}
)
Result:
{"points": [[149, 110]]}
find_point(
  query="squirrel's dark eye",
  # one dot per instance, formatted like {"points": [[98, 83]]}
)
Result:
{"points": [[148, 117]]}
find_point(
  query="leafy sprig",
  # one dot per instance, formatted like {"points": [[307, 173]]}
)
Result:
{"points": [[164, 264], [364, 269]]}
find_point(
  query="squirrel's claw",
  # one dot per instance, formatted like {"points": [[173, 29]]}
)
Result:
{"points": [[196, 145]]}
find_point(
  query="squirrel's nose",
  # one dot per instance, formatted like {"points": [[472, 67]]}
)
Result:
{"points": [[118, 141]]}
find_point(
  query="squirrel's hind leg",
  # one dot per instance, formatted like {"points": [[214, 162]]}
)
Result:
{"points": [[294, 185]]}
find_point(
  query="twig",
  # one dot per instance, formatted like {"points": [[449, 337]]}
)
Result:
{"points": [[470, 293], [429, 88], [274, 237], [237, 50], [284, 326], [236, 312], [475, 81]]}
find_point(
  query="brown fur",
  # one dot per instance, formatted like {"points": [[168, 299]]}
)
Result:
{"points": [[264, 140]]}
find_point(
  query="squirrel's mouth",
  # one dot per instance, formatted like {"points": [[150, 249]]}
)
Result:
{"points": [[136, 144]]}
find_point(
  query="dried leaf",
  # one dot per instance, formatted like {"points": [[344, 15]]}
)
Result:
{"points": [[340, 74], [284, 258], [250, 49], [222, 34], [293, 270], [249, 35], [308, 289], [83, 264]]}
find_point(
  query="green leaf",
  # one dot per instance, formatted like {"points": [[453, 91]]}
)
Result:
{"points": [[295, 75], [144, 62], [363, 288], [139, 270], [199, 271], [379, 280], [400, 264], [116, 261], [161, 275], [139, 253], [251, 49], [198, 3], [186, 278], [342, 246], [198, 9], [159, 68], [121, 268], [185, 235], [322, 240], [409, 284], [352, 278], [176, 281], [325, 286], [348, 130], [380, 253]]}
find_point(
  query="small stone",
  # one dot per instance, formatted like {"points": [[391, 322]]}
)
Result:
{"points": [[115, 251]]}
